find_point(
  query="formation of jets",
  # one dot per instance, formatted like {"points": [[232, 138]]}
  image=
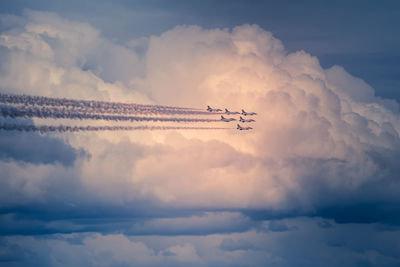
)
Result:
{"points": [[227, 112]]}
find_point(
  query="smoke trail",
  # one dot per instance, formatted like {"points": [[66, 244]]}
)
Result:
{"points": [[98, 106], [41, 100], [55, 113], [64, 128]]}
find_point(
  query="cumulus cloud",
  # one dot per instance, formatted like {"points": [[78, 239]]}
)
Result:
{"points": [[320, 137], [322, 144], [57, 57]]}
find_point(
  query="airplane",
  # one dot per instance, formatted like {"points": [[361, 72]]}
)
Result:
{"points": [[243, 128], [243, 120], [227, 119], [213, 109], [231, 112], [248, 114]]}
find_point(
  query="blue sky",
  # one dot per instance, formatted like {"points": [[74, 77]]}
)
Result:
{"points": [[315, 183]]}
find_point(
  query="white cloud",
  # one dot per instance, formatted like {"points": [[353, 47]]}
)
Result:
{"points": [[317, 140]]}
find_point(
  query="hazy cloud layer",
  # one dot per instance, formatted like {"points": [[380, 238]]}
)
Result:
{"points": [[322, 145], [307, 245]]}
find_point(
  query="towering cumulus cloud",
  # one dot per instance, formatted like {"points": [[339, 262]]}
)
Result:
{"points": [[323, 153]]}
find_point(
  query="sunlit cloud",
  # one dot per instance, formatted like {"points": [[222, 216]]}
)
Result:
{"points": [[322, 145]]}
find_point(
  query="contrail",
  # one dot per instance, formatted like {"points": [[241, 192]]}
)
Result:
{"points": [[64, 128], [56, 113], [98, 106], [41, 100]]}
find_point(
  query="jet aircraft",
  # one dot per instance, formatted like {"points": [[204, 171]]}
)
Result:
{"points": [[213, 109], [244, 120], [243, 128], [248, 114], [227, 119], [231, 112]]}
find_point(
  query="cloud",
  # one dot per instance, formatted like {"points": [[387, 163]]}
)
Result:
{"points": [[207, 223], [36, 149], [322, 146], [321, 136], [94, 250], [350, 244], [58, 57], [276, 226], [230, 244]]}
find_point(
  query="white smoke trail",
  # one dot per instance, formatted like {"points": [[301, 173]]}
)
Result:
{"points": [[98, 106], [65, 128], [55, 113]]}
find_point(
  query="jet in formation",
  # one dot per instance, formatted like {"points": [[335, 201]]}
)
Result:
{"points": [[243, 128], [227, 112], [248, 113], [213, 109], [244, 120], [227, 119]]}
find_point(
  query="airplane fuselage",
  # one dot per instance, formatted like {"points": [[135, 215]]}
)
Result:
{"points": [[243, 128], [227, 119], [227, 112], [244, 113], [210, 109], [243, 120]]}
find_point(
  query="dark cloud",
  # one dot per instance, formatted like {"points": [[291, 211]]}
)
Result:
{"points": [[198, 224], [229, 244], [276, 226], [348, 245], [36, 149], [324, 224], [368, 212], [108, 219]]}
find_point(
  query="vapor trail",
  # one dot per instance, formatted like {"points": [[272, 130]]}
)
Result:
{"points": [[64, 128], [98, 106], [55, 113]]}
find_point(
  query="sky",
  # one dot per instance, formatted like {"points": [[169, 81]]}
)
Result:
{"points": [[315, 182]]}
